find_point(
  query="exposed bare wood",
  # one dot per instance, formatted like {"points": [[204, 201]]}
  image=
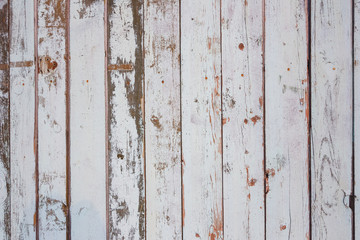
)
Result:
{"points": [[201, 119], [162, 94], [126, 127], [52, 115], [179, 119], [242, 65], [22, 123], [5, 221]]}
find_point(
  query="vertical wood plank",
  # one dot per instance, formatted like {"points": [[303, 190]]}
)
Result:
{"points": [[52, 121], [242, 68], [87, 120], [331, 99], [357, 116], [287, 120], [162, 120], [22, 115], [4, 122], [126, 127], [201, 119]]}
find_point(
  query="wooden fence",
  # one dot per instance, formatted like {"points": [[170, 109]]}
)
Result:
{"points": [[179, 119]]}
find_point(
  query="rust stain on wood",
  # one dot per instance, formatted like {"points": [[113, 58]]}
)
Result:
{"points": [[34, 221], [241, 46], [269, 172], [250, 182], [307, 104], [16, 65], [21, 64], [261, 102], [255, 119], [182, 191], [46, 65], [120, 67], [216, 230]]}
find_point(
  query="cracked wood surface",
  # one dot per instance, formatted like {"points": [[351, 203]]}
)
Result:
{"points": [[52, 116], [162, 119], [126, 125], [243, 155], [286, 120], [5, 202], [22, 122], [179, 119], [201, 119], [356, 79], [331, 116]]}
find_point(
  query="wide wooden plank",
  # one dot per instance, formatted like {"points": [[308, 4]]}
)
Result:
{"points": [[22, 125], [201, 119], [162, 120], [243, 155], [286, 120], [52, 122], [331, 101], [126, 127], [4, 122], [357, 116], [87, 120]]}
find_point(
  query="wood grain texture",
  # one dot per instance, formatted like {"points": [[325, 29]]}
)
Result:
{"points": [[4, 123], [162, 120], [126, 126], [287, 116], [331, 99], [357, 116], [243, 154], [87, 120], [22, 124], [52, 122], [201, 119]]}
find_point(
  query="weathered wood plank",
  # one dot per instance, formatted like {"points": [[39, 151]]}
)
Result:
{"points": [[201, 119], [357, 116], [22, 124], [52, 119], [4, 122], [243, 156], [286, 120], [331, 100], [162, 117], [126, 127], [87, 120]]}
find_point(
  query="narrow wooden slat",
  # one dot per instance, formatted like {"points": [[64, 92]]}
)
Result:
{"points": [[201, 119], [331, 111], [357, 116], [286, 120], [22, 115], [126, 127], [87, 120], [4, 123], [242, 67], [162, 120], [51, 115]]}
